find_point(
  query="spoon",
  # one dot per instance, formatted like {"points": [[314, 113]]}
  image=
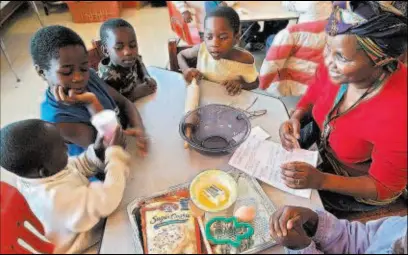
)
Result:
{"points": [[198, 214]]}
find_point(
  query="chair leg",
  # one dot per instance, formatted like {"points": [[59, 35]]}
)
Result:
{"points": [[37, 12], [172, 48], [3, 49], [46, 10]]}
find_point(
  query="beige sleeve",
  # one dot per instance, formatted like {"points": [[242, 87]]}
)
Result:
{"points": [[86, 163], [85, 206], [249, 73]]}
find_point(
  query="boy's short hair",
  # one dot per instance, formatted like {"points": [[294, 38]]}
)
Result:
{"points": [[47, 41], [112, 24], [229, 14], [24, 146]]}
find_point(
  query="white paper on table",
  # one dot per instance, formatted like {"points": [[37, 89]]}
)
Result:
{"points": [[259, 133], [262, 160]]}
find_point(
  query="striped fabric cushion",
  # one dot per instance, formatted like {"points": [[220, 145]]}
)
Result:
{"points": [[292, 59]]}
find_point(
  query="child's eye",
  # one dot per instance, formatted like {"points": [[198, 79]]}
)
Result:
{"points": [[84, 69], [118, 47], [133, 46], [209, 37], [66, 72]]}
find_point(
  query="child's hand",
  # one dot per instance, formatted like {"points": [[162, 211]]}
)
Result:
{"points": [[118, 139], [187, 16], [191, 73], [286, 226], [151, 83], [142, 90], [74, 98], [233, 87], [141, 139]]}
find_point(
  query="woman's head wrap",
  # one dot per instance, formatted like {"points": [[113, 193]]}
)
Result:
{"points": [[380, 28]]}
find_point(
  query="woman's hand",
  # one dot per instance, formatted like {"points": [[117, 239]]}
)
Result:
{"points": [[289, 133], [300, 175], [233, 87], [141, 139], [286, 226], [192, 73]]}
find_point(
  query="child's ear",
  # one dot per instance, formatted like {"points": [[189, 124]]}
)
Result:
{"points": [[40, 72], [43, 172], [104, 50], [236, 38]]}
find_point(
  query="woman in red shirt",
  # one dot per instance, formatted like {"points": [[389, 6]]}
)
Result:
{"points": [[359, 102]]}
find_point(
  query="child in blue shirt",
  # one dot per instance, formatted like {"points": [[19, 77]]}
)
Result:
{"points": [[75, 92]]}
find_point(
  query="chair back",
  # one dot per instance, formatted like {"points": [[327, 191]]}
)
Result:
{"points": [[182, 29], [95, 54], [174, 49], [15, 212]]}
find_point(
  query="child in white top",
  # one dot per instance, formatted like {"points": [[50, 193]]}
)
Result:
{"points": [[218, 59], [57, 189]]}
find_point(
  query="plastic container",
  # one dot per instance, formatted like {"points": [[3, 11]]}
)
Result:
{"points": [[105, 123], [217, 129], [93, 11], [218, 178]]}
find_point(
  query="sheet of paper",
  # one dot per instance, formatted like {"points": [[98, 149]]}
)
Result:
{"points": [[259, 133], [262, 160]]}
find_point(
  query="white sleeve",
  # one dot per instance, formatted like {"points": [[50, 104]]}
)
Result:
{"points": [[87, 163], [81, 208], [181, 6]]}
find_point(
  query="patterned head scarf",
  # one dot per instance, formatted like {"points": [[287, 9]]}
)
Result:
{"points": [[380, 29]]}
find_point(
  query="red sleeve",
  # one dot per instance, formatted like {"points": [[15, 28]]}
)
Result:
{"points": [[389, 165], [316, 85]]}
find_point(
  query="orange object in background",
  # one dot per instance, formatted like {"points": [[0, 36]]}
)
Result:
{"points": [[182, 29], [93, 11], [133, 4]]}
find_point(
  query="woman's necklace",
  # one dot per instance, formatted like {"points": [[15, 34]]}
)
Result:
{"points": [[334, 112]]}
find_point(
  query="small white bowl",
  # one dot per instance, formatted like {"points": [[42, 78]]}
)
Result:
{"points": [[213, 177]]}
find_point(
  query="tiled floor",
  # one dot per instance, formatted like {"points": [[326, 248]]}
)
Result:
{"points": [[21, 100]]}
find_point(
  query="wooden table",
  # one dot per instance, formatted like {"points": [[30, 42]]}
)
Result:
{"points": [[169, 164], [263, 11]]}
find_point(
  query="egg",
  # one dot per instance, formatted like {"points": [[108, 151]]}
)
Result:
{"points": [[245, 213]]}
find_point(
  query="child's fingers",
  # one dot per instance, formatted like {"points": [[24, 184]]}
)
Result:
{"points": [[64, 97], [296, 221], [55, 93], [237, 89], [197, 75], [133, 132]]}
